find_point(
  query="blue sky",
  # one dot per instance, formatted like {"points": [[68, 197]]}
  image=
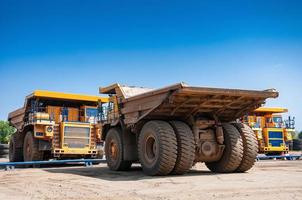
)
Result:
{"points": [[73, 46]]}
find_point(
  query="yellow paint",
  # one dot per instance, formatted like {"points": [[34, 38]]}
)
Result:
{"points": [[270, 110], [75, 151], [269, 147], [80, 151], [67, 96]]}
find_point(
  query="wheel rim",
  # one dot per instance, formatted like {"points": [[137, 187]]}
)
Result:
{"points": [[150, 149], [113, 150]]}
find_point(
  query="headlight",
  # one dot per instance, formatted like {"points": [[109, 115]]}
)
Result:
{"points": [[49, 129]]}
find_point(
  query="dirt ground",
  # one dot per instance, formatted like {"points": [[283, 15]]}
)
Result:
{"points": [[267, 180]]}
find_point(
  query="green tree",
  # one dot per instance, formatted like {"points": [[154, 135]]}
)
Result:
{"points": [[5, 131]]}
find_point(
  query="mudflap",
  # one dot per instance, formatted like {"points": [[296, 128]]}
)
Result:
{"points": [[130, 146]]}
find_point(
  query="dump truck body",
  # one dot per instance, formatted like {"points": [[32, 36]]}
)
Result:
{"points": [[181, 101], [273, 134], [196, 116], [56, 125]]}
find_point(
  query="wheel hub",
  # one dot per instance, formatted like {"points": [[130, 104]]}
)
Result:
{"points": [[113, 150], [150, 149]]}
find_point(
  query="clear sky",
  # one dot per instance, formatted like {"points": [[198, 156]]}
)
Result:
{"points": [[73, 46]]}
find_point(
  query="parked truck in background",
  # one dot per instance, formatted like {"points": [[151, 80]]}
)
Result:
{"points": [[169, 129], [55, 125], [273, 133]]}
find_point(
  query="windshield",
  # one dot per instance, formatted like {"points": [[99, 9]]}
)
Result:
{"points": [[91, 112], [277, 121]]}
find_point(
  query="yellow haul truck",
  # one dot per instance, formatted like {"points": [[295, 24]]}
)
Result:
{"points": [[272, 132], [169, 129], [55, 125]]}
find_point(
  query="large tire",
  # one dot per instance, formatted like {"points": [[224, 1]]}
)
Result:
{"points": [[4, 152], [114, 151], [297, 144], [3, 146], [15, 154], [232, 154], [31, 148], [185, 147], [250, 147], [3, 149], [157, 148]]}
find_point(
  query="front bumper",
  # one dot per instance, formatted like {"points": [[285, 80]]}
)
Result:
{"points": [[74, 151], [275, 149]]}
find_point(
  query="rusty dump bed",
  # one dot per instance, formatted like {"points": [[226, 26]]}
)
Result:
{"points": [[182, 101]]}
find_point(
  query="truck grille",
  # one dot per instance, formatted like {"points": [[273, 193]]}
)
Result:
{"points": [[275, 138], [76, 137], [274, 134], [276, 143]]}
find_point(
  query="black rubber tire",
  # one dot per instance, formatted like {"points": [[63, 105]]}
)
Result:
{"points": [[250, 147], [185, 147], [165, 149], [3, 149], [3, 156], [4, 152], [15, 154], [3, 146], [297, 144], [232, 154], [31, 148], [114, 136]]}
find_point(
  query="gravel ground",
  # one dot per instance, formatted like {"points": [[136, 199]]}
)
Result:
{"points": [[267, 180]]}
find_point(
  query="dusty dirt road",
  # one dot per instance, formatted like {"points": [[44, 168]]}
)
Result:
{"points": [[267, 180]]}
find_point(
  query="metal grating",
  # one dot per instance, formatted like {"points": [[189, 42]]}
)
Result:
{"points": [[276, 143], [273, 134], [76, 137]]}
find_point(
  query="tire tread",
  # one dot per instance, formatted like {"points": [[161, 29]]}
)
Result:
{"points": [[233, 152], [250, 147], [186, 147]]}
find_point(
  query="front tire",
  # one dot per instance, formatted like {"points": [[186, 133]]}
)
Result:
{"points": [[114, 151], [233, 152], [31, 148], [157, 148]]}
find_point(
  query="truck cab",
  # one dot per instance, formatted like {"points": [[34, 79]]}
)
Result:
{"points": [[271, 130]]}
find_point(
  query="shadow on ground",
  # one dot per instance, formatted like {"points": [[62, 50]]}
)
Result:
{"points": [[103, 172]]}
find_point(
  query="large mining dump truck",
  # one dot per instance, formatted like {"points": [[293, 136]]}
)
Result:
{"points": [[55, 125], [168, 130]]}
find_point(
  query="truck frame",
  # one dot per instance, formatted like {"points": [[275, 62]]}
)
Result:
{"points": [[169, 129], [55, 125]]}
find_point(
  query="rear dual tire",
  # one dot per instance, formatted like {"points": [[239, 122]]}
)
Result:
{"points": [[241, 149], [166, 148], [233, 152], [157, 148], [250, 147], [3, 150], [15, 153], [185, 147]]}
